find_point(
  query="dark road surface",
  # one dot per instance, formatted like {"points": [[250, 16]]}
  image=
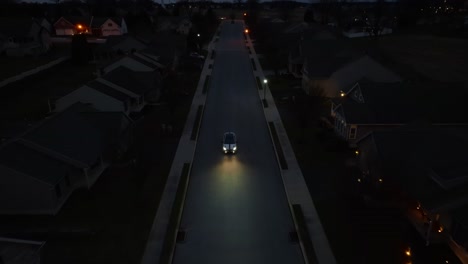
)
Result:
{"points": [[236, 209]]}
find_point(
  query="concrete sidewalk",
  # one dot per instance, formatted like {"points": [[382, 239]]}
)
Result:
{"points": [[184, 154], [294, 183]]}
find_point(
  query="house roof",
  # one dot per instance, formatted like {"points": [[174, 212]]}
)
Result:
{"points": [[124, 43], [19, 157], [84, 20], [69, 134], [366, 67], [109, 124], [419, 158], [136, 82], [103, 88]]}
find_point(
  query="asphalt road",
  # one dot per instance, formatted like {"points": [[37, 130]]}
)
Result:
{"points": [[236, 209]]}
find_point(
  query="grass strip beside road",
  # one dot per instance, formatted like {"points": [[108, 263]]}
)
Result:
{"points": [[279, 149], [253, 64], [206, 84], [170, 239], [196, 124], [259, 83], [303, 233]]}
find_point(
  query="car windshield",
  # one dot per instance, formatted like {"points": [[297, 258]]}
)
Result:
{"points": [[229, 139]]}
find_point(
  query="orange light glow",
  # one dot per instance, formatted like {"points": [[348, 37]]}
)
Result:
{"points": [[440, 229], [245, 14], [79, 26], [408, 252], [246, 31]]}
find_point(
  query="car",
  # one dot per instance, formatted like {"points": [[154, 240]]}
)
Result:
{"points": [[229, 143]]}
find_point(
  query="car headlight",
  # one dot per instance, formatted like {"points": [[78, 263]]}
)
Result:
{"points": [[224, 148], [235, 148]]}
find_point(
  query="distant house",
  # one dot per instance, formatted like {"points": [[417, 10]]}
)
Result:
{"points": [[96, 26], [423, 169], [71, 25], [327, 76], [104, 26], [24, 36], [41, 168]]}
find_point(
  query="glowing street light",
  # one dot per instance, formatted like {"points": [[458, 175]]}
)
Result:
{"points": [[265, 82]]}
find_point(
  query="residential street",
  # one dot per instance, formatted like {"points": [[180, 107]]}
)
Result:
{"points": [[236, 209]]}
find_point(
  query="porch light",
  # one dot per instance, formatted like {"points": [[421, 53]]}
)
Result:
{"points": [[342, 94], [408, 252], [441, 228], [357, 152], [246, 31], [79, 26], [359, 180], [380, 180]]}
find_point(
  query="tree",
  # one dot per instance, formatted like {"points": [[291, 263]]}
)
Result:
{"points": [[80, 49]]}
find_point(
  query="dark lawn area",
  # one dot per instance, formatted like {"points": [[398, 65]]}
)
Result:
{"points": [[28, 98], [12, 66], [358, 231], [111, 222]]}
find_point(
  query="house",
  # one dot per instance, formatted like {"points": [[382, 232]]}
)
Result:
{"points": [[69, 150], [34, 182], [24, 36], [106, 26], [71, 25], [136, 62], [145, 84], [368, 106], [371, 106], [328, 76], [101, 97], [96, 26], [424, 170], [21, 251], [123, 44]]}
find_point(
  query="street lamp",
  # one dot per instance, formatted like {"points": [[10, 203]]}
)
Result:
{"points": [[265, 81]]}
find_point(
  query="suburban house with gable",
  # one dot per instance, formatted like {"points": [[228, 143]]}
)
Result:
{"points": [[147, 85], [101, 96], [105, 26], [69, 150], [370, 106], [71, 25], [97, 26]]}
